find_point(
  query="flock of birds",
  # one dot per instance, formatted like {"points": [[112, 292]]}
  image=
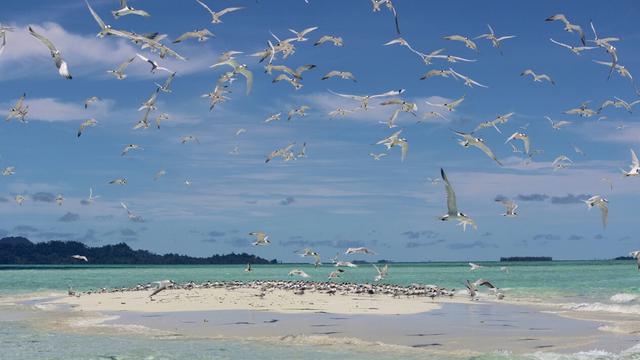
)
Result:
{"points": [[281, 48]]}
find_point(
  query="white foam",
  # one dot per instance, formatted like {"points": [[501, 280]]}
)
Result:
{"points": [[623, 298], [600, 307]]}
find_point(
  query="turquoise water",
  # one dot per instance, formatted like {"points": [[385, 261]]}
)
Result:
{"points": [[596, 284]]}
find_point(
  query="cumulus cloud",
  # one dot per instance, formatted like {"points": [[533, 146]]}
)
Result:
{"points": [[427, 234], [532, 197], [569, 199], [415, 244], [546, 237], [44, 197], [69, 217]]}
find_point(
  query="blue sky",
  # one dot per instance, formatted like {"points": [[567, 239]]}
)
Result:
{"points": [[338, 196]]}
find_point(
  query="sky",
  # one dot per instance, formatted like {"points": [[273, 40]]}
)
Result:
{"points": [[338, 196]]}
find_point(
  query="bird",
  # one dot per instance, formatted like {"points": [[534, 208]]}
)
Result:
{"points": [[451, 106], [299, 272], [537, 78], [474, 266], [80, 257], [402, 42], [62, 66], [19, 110], [561, 162], [617, 67], [165, 87], [119, 181], [300, 35], [59, 199], [3, 34], [300, 111], [119, 71], [161, 286], [293, 81], [201, 35], [364, 99], [467, 42], [395, 140], [91, 197], [159, 174], [452, 206], [582, 110], [8, 171], [91, 100], [19, 199], [189, 138], [377, 157], [248, 268], [338, 263], [154, 65], [130, 214], [346, 75], [636, 254], [238, 69], [557, 125], [284, 152], [502, 119], [491, 36], [404, 106], [85, 124], [390, 7], [130, 147], [568, 27], [128, 10], [510, 207], [359, 250], [335, 274], [435, 72], [382, 272], [215, 15], [602, 203], [468, 139], [634, 169], [261, 238], [335, 40], [525, 140], [273, 117], [160, 118], [467, 80], [574, 49]]}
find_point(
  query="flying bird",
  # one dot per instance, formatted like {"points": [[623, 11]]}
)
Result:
{"points": [[154, 65], [502, 119], [125, 9], [382, 272], [346, 75], [202, 35], [299, 272], [634, 169], [91, 100], [524, 138], [451, 106], [557, 125], [574, 49], [63, 69], [568, 27], [601, 203], [300, 35], [80, 257], [85, 124], [537, 78], [261, 238], [395, 140], [452, 206], [467, 42], [119, 71], [335, 40], [19, 110], [215, 15], [491, 36], [359, 250], [238, 69], [468, 139], [510, 207]]}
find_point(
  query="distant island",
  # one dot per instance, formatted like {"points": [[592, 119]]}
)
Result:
{"points": [[526, 258], [624, 258], [21, 251]]}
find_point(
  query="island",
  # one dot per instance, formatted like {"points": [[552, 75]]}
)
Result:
{"points": [[21, 251]]}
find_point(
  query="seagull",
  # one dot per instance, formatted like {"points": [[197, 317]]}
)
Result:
{"points": [[273, 117], [602, 203], [340, 112], [201, 35], [19, 199], [469, 140], [238, 69], [510, 207], [91, 197], [261, 238], [128, 10], [561, 161], [467, 42], [346, 75], [187, 182], [118, 181], [80, 257], [537, 78], [335, 274], [392, 9], [344, 264], [3, 35], [297, 73], [617, 67], [474, 266], [91, 100], [382, 272], [228, 55], [473, 291], [491, 36], [605, 43], [452, 207], [162, 285], [402, 42], [165, 87], [85, 124], [284, 152], [130, 147], [300, 35], [189, 138], [636, 254], [235, 150], [395, 140], [335, 40], [582, 110], [364, 99], [119, 72], [19, 110], [467, 80], [377, 157], [432, 73], [59, 199], [634, 169], [433, 114], [557, 125], [299, 272], [299, 111], [63, 69], [525, 140], [240, 131], [618, 103], [359, 250], [159, 174], [8, 171], [248, 268], [160, 118], [451, 106], [130, 214], [574, 49], [405, 106], [502, 119], [216, 15], [293, 81], [154, 65], [568, 27], [303, 151], [150, 104]]}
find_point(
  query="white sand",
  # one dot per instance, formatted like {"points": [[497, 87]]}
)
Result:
{"points": [[247, 299]]}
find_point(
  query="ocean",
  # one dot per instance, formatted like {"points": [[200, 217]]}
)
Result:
{"points": [[585, 286]]}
